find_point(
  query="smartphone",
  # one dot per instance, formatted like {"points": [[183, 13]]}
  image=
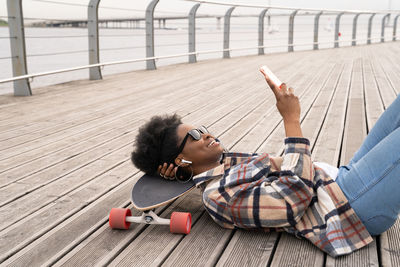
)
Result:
{"points": [[272, 76]]}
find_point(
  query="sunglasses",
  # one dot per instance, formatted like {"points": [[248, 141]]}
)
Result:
{"points": [[195, 134]]}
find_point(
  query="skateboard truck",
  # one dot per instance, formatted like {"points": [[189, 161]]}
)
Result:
{"points": [[180, 222]]}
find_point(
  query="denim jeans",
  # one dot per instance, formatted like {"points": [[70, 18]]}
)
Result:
{"points": [[371, 181]]}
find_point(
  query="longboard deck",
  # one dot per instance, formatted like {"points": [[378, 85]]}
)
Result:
{"points": [[150, 192]]}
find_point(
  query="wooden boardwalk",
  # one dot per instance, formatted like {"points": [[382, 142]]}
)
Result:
{"points": [[64, 156]]}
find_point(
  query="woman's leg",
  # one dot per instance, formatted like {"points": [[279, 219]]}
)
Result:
{"points": [[372, 184], [370, 174], [387, 123]]}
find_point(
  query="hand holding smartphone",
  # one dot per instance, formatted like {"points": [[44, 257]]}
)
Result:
{"points": [[271, 76]]}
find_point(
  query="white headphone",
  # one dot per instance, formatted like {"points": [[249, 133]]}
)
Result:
{"points": [[186, 161]]}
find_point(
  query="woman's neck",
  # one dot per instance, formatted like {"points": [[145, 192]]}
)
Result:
{"points": [[201, 169]]}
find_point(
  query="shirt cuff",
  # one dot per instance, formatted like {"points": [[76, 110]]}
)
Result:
{"points": [[300, 140], [297, 145]]}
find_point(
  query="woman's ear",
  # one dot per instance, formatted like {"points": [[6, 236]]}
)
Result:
{"points": [[180, 161]]}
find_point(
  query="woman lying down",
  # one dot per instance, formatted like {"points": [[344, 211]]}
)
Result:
{"points": [[336, 210]]}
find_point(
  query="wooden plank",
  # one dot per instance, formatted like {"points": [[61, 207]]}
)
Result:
{"points": [[327, 146], [355, 128], [391, 66], [390, 246], [248, 248], [287, 253], [382, 81]]}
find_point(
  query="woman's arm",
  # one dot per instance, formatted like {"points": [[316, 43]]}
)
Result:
{"points": [[292, 128], [288, 106]]}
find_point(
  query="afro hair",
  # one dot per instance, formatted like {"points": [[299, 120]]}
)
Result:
{"points": [[156, 143]]}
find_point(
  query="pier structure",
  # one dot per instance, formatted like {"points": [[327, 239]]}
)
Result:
{"points": [[65, 153]]}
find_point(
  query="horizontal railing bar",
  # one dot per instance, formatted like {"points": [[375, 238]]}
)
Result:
{"points": [[181, 33], [49, 19], [211, 42], [295, 8], [202, 33], [28, 76], [121, 48], [120, 35], [57, 36], [6, 57], [171, 45], [58, 53]]}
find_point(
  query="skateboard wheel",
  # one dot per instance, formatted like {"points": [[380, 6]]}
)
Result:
{"points": [[117, 218], [181, 223]]}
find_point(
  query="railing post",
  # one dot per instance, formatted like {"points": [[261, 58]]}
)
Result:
{"points": [[383, 28], [151, 63], [370, 28], [337, 24], [227, 23], [17, 45], [93, 31], [192, 33], [261, 31], [354, 35], [316, 29], [395, 27], [291, 27]]}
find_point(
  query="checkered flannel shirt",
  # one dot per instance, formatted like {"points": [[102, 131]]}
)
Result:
{"points": [[284, 193]]}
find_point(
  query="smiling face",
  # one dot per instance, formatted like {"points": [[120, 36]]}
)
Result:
{"points": [[204, 153]]}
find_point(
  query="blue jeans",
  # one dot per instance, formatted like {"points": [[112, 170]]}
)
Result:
{"points": [[371, 181]]}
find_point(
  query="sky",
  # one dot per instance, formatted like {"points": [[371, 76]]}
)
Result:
{"points": [[77, 9]]}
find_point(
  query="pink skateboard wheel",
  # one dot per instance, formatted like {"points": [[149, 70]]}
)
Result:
{"points": [[181, 223], [117, 218]]}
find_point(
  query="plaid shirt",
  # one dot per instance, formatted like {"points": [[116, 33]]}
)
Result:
{"points": [[285, 193]]}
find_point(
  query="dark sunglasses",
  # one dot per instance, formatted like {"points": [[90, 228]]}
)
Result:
{"points": [[195, 134]]}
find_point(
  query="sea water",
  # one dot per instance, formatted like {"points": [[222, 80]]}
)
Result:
{"points": [[44, 44]]}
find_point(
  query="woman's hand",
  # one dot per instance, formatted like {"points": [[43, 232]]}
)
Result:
{"points": [[288, 106], [287, 103], [167, 172]]}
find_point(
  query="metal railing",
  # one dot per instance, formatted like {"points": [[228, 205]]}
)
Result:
{"points": [[17, 37]]}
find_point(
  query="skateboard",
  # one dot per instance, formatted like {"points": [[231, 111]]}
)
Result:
{"points": [[148, 193]]}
